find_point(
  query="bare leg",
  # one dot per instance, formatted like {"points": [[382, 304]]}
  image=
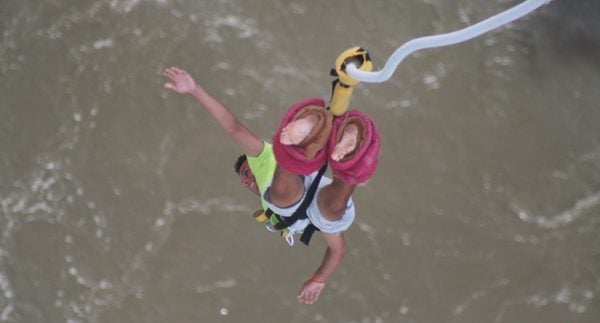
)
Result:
{"points": [[286, 189], [333, 198]]}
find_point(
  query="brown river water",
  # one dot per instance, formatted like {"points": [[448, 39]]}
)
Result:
{"points": [[118, 202]]}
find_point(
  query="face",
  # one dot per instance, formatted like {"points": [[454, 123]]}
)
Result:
{"points": [[247, 178]]}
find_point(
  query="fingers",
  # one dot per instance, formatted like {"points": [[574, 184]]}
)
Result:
{"points": [[173, 72], [309, 297], [169, 72], [176, 75], [310, 293]]}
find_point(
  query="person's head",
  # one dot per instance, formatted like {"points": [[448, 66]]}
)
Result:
{"points": [[247, 179]]}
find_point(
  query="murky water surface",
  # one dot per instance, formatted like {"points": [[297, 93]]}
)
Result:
{"points": [[118, 202]]}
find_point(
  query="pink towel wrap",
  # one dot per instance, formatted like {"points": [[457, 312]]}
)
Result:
{"points": [[360, 165], [292, 157]]}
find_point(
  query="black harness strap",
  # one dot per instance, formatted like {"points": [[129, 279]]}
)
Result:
{"points": [[307, 234], [300, 212]]}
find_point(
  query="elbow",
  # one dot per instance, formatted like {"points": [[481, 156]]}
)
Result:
{"points": [[339, 251], [232, 128]]}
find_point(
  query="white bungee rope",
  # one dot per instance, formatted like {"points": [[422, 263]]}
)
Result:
{"points": [[443, 40]]}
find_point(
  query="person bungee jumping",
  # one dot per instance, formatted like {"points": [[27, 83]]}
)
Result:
{"points": [[287, 174]]}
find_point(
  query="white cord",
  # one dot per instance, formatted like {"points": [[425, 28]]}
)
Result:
{"points": [[443, 40]]}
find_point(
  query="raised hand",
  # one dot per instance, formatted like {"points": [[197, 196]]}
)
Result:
{"points": [[181, 81]]}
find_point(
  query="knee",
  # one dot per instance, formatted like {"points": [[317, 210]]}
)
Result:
{"points": [[337, 206], [332, 208], [340, 250], [279, 190], [286, 193]]}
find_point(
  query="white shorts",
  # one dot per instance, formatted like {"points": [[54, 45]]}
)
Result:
{"points": [[313, 212]]}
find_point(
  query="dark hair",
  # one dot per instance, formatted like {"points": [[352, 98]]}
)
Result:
{"points": [[238, 163]]}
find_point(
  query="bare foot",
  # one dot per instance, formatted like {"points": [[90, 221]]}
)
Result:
{"points": [[347, 144], [296, 131]]}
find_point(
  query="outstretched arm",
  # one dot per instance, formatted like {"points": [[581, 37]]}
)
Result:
{"points": [[336, 248], [181, 82]]}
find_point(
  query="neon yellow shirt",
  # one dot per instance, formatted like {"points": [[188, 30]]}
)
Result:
{"points": [[263, 168]]}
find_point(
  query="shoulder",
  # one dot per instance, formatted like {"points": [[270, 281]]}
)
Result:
{"points": [[253, 147], [264, 156]]}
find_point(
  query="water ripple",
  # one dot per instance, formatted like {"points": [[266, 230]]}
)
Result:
{"points": [[563, 218]]}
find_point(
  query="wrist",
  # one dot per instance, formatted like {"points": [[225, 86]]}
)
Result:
{"points": [[197, 91], [316, 278]]}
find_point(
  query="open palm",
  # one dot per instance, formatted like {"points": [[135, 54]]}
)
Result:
{"points": [[181, 81], [310, 291]]}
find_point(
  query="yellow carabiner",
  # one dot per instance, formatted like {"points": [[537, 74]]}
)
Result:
{"points": [[342, 90], [260, 216]]}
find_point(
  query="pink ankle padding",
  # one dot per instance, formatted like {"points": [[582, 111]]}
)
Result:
{"points": [[361, 167], [292, 157]]}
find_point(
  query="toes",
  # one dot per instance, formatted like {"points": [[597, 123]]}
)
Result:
{"points": [[285, 137], [339, 153], [336, 156], [342, 149]]}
